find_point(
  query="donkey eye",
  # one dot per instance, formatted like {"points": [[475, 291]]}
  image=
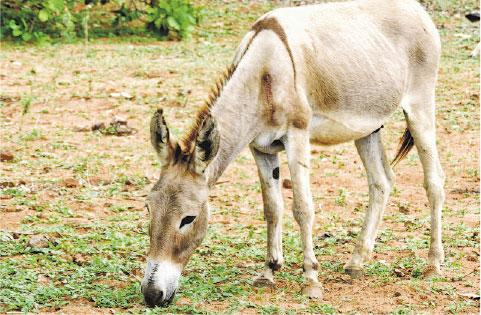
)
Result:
{"points": [[187, 220]]}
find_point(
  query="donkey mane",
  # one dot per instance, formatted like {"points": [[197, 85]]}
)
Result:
{"points": [[189, 139]]}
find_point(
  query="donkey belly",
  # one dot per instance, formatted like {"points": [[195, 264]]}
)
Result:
{"points": [[329, 131]]}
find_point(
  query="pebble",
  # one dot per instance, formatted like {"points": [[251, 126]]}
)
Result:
{"points": [[38, 241], [6, 156], [71, 183]]}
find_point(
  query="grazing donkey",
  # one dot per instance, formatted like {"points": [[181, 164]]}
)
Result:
{"points": [[326, 73]]}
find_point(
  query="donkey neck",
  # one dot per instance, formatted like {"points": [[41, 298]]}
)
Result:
{"points": [[235, 111]]}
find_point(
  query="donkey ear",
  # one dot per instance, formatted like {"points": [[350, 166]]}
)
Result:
{"points": [[206, 143], [160, 137]]}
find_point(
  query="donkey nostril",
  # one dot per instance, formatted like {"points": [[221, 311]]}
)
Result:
{"points": [[153, 298], [159, 298]]}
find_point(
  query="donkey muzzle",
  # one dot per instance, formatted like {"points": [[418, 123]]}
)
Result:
{"points": [[154, 297], [160, 283]]}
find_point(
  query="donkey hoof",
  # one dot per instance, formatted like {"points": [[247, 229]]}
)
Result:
{"points": [[313, 290], [353, 272], [263, 282], [432, 271]]}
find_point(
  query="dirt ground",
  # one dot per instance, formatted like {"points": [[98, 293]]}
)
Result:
{"points": [[86, 189]]}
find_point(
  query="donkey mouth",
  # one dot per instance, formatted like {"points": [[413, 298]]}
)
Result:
{"points": [[159, 302], [170, 299]]}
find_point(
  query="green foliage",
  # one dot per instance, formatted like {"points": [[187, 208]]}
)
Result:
{"points": [[46, 20], [38, 21], [172, 17]]}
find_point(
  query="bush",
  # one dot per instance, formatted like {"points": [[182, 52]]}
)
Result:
{"points": [[40, 21], [167, 17], [37, 20]]}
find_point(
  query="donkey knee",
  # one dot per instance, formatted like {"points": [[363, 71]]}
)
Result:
{"points": [[272, 214], [303, 214], [435, 190], [381, 188]]}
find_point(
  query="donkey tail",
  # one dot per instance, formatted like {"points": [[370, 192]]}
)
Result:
{"points": [[406, 143]]}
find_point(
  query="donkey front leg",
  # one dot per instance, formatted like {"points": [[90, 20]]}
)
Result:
{"points": [[268, 168], [298, 156]]}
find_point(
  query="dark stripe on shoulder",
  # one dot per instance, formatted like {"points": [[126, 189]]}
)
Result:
{"points": [[271, 23]]}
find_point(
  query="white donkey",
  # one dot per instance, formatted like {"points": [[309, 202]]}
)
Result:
{"points": [[326, 73]]}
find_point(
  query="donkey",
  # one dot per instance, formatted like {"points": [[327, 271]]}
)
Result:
{"points": [[327, 73]]}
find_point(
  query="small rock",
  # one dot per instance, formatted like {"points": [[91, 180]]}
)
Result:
{"points": [[79, 259], [403, 208], [287, 184], [325, 235], [123, 130], [6, 156], [98, 126], [42, 216], [43, 279], [119, 120], [125, 95], [17, 234], [469, 295], [352, 233], [475, 235], [38, 241], [96, 181], [12, 209], [71, 183], [5, 237], [7, 184], [399, 273], [82, 128]]}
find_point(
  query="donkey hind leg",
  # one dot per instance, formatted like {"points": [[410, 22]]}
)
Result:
{"points": [[380, 179], [298, 156], [420, 116], [268, 168]]}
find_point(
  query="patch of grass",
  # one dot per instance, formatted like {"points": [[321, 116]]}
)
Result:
{"points": [[33, 135], [403, 310], [341, 197], [321, 309], [26, 103], [460, 307]]}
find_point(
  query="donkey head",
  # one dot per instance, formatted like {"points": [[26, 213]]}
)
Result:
{"points": [[177, 205]]}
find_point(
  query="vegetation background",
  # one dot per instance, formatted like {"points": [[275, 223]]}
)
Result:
{"points": [[79, 81], [65, 20]]}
